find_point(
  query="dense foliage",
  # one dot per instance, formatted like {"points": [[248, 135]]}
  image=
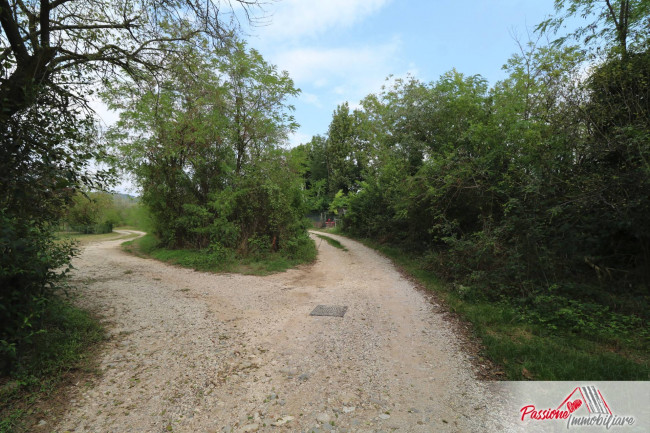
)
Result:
{"points": [[44, 153], [99, 212], [533, 192], [204, 144], [52, 52]]}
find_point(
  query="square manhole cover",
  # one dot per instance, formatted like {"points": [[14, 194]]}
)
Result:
{"points": [[329, 310]]}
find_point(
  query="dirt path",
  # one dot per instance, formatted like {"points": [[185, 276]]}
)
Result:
{"points": [[197, 352]]}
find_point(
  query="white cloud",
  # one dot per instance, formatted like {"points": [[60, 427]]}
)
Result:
{"points": [[310, 98], [297, 138], [347, 67], [332, 76], [314, 41], [308, 18]]}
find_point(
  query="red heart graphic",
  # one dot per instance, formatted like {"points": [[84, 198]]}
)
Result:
{"points": [[574, 405]]}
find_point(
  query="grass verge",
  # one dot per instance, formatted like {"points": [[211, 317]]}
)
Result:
{"points": [[60, 354], [205, 260], [333, 242], [528, 351]]}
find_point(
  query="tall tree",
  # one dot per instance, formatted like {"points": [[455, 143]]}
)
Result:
{"points": [[204, 145], [340, 165], [50, 50], [258, 111], [53, 42], [620, 22], [347, 149], [316, 175]]}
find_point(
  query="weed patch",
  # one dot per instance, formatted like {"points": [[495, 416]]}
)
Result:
{"points": [[224, 260], [63, 346], [530, 346], [333, 242]]}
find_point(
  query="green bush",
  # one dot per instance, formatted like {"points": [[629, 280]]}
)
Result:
{"points": [[569, 316], [218, 258], [32, 265], [63, 343], [301, 248], [105, 227], [511, 195]]}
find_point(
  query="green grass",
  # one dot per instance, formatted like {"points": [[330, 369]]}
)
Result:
{"points": [[64, 347], [526, 351], [261, 264], [333, 242]]}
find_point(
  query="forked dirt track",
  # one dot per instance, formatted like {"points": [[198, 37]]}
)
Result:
{"points": [[197, 352]]}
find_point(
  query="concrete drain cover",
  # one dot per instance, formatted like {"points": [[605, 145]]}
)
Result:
{"points": [[329, 310]]}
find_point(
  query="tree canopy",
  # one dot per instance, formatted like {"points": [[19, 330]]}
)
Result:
{"points": [[51, 51], [205, 145], [531, 192], [56, 44], [620, 23]]}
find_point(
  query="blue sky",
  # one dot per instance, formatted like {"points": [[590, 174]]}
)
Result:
{"points": [[342, 50]]}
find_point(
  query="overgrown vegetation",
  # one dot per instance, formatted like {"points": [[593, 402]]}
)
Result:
{"points": [[53, 54], [62, 345], [528, 198], [36, 183], [205, 148], [260, 263], [595, 344]]}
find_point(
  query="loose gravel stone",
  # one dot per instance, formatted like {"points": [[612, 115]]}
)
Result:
{"points": [[323, 418], [235, 352]]}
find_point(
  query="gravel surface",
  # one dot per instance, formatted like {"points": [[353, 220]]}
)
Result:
{"points": [[197, 352]]}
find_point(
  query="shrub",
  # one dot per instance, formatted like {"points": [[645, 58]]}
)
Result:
{"points": [[31, 267]]}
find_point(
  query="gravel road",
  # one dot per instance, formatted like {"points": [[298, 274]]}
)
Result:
{"points": [[197, 352]]}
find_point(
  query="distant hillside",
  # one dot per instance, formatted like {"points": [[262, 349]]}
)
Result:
{"points": [[125, 199]]}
